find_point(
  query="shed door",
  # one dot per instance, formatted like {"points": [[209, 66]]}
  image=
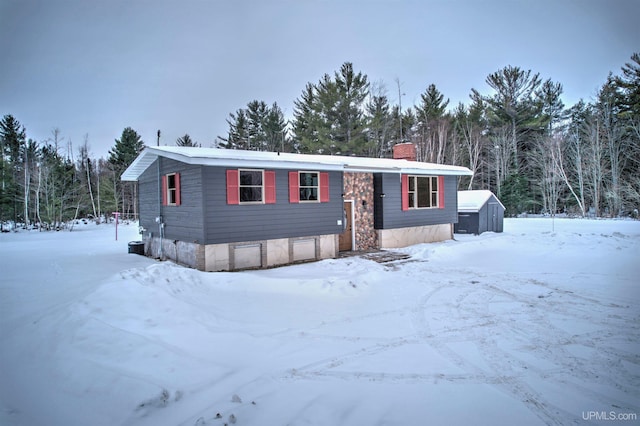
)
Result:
{"points": [[345, 241], [493, 217]]}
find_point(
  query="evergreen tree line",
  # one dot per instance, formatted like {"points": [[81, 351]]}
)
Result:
{"points": [[520, 141], [45, 185]]}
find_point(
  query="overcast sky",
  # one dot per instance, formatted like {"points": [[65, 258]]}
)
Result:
{"points": [[96, 67]]}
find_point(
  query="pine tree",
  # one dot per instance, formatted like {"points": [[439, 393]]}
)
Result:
{"points": [[305, 122], [381, 128], [186, 141], [433, 105], [274, 127], [329, 116], [433, 126], [238, 134], [12, 142], [552, 107], [352, 90], [29, 159], [515, 194], [256, 114], [126, 149], [629, 82], [513, 105], [257, 127]]}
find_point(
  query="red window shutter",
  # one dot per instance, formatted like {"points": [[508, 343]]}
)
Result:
{"points": [[233, 190], [324, 187], [441, 192], [177, 177], [269, 187], [164, 190], [294, 187], [404, 190]]}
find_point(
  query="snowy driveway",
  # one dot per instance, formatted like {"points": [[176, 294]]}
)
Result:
{"points": [[534, 326]]}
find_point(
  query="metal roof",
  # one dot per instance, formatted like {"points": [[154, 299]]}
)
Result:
{"points": [[276, 160]]}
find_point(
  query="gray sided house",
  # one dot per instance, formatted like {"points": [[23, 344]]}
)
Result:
{"points": [[223, 210], [479, 211]]}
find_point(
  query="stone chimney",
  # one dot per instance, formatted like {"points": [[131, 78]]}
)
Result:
{"points": [[404, 151]]}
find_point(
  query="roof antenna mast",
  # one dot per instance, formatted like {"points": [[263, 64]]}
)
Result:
{"points": [[158, 143]]}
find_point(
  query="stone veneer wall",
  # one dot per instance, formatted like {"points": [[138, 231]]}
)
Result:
{"points": [[359, 188]]}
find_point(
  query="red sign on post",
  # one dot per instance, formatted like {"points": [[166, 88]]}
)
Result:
{"points": [[116, 214]]}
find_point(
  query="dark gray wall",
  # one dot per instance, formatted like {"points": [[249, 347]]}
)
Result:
{"points": [[499, 227], [183, 222], [236, 223], [205, 217], [492, 206], [148, 199], [388, 209], [467, 224], [481, 221]]}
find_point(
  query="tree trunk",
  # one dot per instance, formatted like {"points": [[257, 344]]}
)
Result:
{"points": [[27, 190], [93, 204]]}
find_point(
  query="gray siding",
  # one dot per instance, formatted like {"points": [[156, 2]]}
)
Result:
{"points": [[204, 217], [388, 209], [183, 222], [467, 223], [148, 200], [481, 221], [236, 223], [499, 226]]}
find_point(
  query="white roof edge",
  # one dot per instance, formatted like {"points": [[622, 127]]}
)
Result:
{"points": [[138, 166], [273, 160], [471, 201]]}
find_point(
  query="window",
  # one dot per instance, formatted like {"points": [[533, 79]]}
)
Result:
{"points": [[309, 186], [171, 189], [250, 186], [423, 192]]}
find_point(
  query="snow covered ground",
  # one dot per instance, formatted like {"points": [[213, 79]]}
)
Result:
{"points": [[532, 326]]}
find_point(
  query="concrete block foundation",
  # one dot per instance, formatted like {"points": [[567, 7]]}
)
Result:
{"points": [[403, 237], [282, 251], [244, 255]]}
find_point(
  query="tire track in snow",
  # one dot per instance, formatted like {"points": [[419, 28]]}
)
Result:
{"points": [[503, 378], [336, 361], [549, 343], [486, 316]]}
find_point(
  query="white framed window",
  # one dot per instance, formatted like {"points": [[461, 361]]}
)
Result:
{"points": [[423, 192], [309, 186], [172, 189], [251, 186]]}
